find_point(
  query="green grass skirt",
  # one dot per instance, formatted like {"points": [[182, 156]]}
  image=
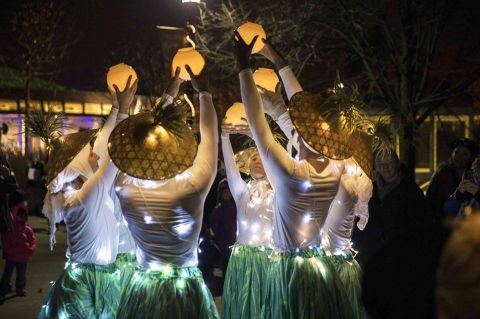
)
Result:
{"points": [[245, 284], [350, 274], [83, 291], [304, 284], [169, 292]]}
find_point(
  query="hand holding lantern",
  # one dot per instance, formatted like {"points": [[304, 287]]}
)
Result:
{"points": [[243, 51], [125, 98], [201, 82], [174, 85], [273, 103]]}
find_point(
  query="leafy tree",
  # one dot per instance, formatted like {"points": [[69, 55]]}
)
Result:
{"points": [[408, 56]]}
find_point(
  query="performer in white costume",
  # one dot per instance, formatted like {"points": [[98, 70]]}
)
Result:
{"points": [[79, 194], [301, 283], [165, 215], [245, 282], [350, 202]]}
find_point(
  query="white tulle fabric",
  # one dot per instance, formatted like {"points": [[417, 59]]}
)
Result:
{"points": [[165, 217]]}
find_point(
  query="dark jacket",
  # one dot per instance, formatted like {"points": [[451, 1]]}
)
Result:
{"points": [[402, 208], [443, 184]]}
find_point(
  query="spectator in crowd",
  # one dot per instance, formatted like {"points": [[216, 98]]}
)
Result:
{"points": [[7, 186], [396, 205], [448, 175], [467, 194], [224, 224], [19, 246]]}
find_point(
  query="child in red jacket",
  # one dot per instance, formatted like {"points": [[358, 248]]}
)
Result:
{"points": [[19, 245]]}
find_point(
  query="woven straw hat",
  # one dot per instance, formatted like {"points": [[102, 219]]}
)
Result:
{"points": [[145, 148], [314, 129], [64, 149], [242, 159], [362, 148], [326, 136]]}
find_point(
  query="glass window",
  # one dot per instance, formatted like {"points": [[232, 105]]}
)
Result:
{"points": [[93, 108], [34, 105], [447, 129], [73, 108], [475, 129], [55, 106], [423, 147], [106, 109], [8, 105]]}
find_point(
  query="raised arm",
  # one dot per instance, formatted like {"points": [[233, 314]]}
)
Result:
{"points": [[95, 190], [275, 158], [289, 79], [204, 167], [235, 182], [275, 107]]}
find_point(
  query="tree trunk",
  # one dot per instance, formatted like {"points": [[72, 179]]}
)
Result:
{"points": [[407, 149]]}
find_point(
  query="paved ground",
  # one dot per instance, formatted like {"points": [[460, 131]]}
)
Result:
{"points": [[43, 268]]}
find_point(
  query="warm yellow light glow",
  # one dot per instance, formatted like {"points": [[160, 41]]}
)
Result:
{"points": [[188, 56], [325, 126], [236, 115], [248, 31], [118, 75], [266, 78]]}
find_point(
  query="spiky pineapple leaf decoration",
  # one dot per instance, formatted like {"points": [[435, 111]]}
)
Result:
{"points": [[384, 141], [45, 125], [344, 107], [172, 117]]}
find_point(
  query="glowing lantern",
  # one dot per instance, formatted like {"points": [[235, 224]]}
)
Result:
{"points": [[188, 56], [248, 31], [266, 78], [235, 114], [118, 75]]}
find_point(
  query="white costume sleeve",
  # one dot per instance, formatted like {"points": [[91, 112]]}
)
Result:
{"points": [[290, 81], [276, 159], [235, 182], [101, 142], [204, 168], [95, 190]]}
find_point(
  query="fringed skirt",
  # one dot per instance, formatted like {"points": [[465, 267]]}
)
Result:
{"points": [[350, 274], [245, 282], [304, 284], [83, 291], [168, 292]]}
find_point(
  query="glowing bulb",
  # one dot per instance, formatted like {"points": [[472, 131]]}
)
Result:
{"points": [[255, 227], [148, 219], [307, 218]]}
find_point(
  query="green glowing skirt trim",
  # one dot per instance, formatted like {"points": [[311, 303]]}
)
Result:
{"points": [[245, 282], [83, 291], [167, 293], [350, 274], [304, 284]]}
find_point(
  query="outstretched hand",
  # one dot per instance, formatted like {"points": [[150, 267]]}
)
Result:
{"points": [[124, 98], [200, 82], [243, 51], [174, 85], [271, 54], [273, 102]]}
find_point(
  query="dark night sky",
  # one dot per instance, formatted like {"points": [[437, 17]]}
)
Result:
{"points": [[102, 26]]}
